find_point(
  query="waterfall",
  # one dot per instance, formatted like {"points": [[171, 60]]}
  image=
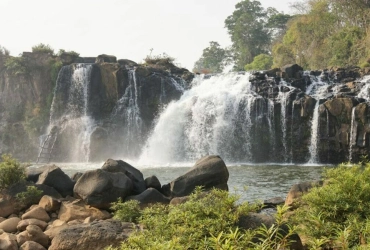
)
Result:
{"points": [[213, 117], [283, 98], [127, 111], [317, 90], [365, 90], [314, 134], [271, 124], [352, 140], [70, 111]]}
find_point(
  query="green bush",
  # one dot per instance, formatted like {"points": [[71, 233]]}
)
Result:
{"points": [[260, 62], [29, 197], [206, 221], [43, 48], [336, 214], [16, 65], [11, 171]]}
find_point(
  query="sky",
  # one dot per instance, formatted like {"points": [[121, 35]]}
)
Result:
{"points": [[128, 29]]}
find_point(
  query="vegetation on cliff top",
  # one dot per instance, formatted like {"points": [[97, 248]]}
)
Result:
{"points": [[321, 33]]}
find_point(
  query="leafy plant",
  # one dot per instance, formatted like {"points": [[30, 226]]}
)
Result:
{"points": [[336, 214], [160, 60], [260, 62], [16, 65], [126, 211], [43, 48], [11, 171], [29, 197]]}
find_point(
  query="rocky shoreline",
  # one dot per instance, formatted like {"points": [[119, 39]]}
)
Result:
{"points": [[74, 212]]}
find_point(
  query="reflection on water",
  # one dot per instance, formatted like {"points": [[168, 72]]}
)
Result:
{"points": [[261, 181]]}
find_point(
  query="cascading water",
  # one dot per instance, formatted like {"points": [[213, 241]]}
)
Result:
{"points": [[213, 117], [283, 98], [70, 111], [317, 90], [365, 90], [127, 110], [352, 140]]}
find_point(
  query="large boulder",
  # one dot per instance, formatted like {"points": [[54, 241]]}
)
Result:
{"points": [[208, 172], [149, 196], [31, 245], [153, 182], [297, 190], [99, 188], [7, 207], [292, 71], [95, 235], [115, 166], [54, 177], [23, 224], [36, 213]]}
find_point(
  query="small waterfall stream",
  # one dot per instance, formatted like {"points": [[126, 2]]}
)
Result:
{"points": [[352, 140]]}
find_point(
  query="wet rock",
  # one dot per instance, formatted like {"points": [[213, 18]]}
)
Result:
{"points": [[148, 197], [54, 177], [208, 172], [99, 188], [153, 182]]}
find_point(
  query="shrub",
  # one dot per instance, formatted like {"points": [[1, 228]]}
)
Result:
{"points": [[43, 48], [29, 197], [206, 221], [260, 62], [161, 60], [16, 65], [126, 211], [336, 214], [4, 51], [11, 171], [71, 53]]}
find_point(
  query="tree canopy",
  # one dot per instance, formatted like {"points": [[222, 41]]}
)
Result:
{"points": [[213, 59]]}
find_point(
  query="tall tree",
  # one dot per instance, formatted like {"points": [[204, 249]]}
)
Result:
{"points": [[213, 59], [248, 32]]}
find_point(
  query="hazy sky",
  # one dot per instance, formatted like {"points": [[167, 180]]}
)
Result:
{"points": [[124, 28]]}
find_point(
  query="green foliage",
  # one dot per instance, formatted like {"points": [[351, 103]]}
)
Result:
{"points": [[128, 211], [326, 33], [11, 171], [71, 53], [16, 65], [260, 62], [336, 215], [205, 221], [29, 197], [213, 60], [43, 48]]}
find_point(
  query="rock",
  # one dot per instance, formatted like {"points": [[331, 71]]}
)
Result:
{"points": [[76, 176], [149, 196], [127, 63], [95, 235], [153, 182], [32, 174], [99, 188], [54, 177], [7, 207], [134, 174], [49, 203], [74, 210], [22, 225], [273, 203], [292, 71], [209, 172], [8, 242], [2, 219], [36, 213], [31, 245], [179, 200], [33, 233], [255, 220], [10, 225], [106, 59], [53, 231], [297, 190]]}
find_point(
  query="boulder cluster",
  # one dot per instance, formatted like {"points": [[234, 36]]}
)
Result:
{"points": [[74, 212]]}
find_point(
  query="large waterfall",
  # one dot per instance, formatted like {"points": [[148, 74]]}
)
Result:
{"points": [[70, 111], [155, 118]]}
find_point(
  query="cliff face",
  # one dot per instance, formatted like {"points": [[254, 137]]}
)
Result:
{"points": [[103, 108], [37, 91]]}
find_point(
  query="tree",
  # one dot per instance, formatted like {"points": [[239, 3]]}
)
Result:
{"points": [[43, 48], [248, 32], [260, 62], [213, 59]]}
